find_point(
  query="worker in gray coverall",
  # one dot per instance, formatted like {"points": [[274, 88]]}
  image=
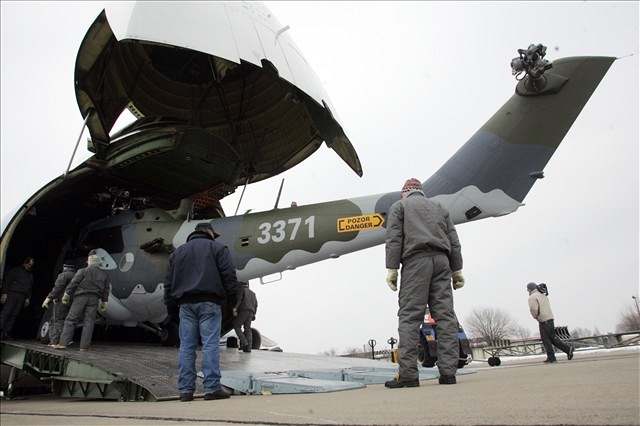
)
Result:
{"points": [[421, 236], [60, 310], [540, 309], [15, 294], [90, 291], [244, 312]]}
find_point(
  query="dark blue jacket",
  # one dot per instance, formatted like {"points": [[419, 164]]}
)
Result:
{"points": [[201, 270], [18, 280]]}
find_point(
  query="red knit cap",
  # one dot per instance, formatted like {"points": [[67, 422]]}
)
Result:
{"points": [[411, 184]]}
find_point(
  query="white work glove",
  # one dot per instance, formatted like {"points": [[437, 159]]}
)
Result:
{"points": [[3, 298], [235, 312], [46, 302], [392, 279], [102, 307], [66, 299], [27, 302], [457, 279]]}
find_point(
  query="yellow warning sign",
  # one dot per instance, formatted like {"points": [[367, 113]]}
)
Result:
{"points": [[365, 222]]}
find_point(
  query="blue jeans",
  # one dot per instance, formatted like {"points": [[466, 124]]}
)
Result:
{"points": [[201, 319]]}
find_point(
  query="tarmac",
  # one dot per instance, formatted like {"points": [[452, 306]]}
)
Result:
{"points": [[591, 389]]}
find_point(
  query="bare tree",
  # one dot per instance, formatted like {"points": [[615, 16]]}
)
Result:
{"points": [[520, 332], [329, 352], [352, 351], [490, 324], [629, 320]]}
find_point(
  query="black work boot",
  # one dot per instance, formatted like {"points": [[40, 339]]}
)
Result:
{"points": [[570, 353], [401, 383], [447, 380], [218, 394], [549, 360], [186, 397]]}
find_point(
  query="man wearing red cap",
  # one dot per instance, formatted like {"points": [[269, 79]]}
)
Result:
{"points": [[421, 236]]}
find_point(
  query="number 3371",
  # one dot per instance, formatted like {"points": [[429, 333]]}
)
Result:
{"points": [[279, 230]]}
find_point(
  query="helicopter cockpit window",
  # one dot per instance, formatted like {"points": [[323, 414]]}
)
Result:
{"points": [[109, 239]]}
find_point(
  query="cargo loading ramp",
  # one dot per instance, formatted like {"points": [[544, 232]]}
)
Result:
{"points": [[135, 372]]}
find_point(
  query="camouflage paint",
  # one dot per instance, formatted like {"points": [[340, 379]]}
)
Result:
{"points": [[489, 176], [137, 277], [521, 136]]}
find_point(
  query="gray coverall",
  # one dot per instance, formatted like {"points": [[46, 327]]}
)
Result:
{"points": [[60, 310], [88, 287], [247, 307], [421, 236], [18, 286]]}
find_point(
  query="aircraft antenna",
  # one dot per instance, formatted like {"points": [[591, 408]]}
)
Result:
{"points": [[241, 195], [84, 124], [279, 193]]}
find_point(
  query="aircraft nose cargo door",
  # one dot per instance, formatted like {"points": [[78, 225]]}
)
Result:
{"points": [[258, 115]]}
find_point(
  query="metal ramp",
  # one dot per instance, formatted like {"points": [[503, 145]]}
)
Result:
{"points": [[130, 372], [316, 381], [282, 383], [110, 372]]}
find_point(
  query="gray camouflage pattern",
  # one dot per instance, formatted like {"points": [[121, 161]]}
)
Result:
{"points": [[489, 176]]}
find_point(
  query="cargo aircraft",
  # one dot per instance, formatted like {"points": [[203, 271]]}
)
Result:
{"points": [[224, 98]]}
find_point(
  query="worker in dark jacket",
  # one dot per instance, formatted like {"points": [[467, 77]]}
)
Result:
{"points": [[244, 312], [421, 236], [200, 277], [89, 289], [60, 310], [15, 294]]}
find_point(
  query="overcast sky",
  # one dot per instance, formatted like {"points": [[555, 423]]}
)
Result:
{"points": [[411, 82]]}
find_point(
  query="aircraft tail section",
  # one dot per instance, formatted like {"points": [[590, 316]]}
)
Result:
{"points": [[489, 176], [493, 172]]}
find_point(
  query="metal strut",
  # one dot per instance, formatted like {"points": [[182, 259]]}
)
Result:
{"points": [[279, 193], [241, 195], [84, 124]]}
